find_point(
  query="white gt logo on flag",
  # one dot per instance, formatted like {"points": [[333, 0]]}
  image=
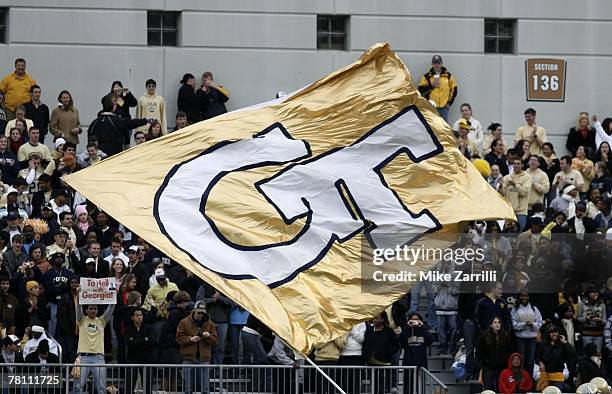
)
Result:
{"points": [[321, 189]]}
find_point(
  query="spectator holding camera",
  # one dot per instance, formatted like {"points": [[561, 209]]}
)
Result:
{"points": [[121, 100]]}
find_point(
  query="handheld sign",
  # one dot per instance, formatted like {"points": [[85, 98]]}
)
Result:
{"points": [[98, 291]]}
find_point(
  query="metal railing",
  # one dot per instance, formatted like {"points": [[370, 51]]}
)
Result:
{"points": [[209, 379], [428, 383]]}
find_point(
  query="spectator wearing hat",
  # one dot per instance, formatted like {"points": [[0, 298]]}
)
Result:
{"points": [[91, 344], [566, 202], [8, 303], [516, 187], [536, 135], [439, 86], [540, 185], [14, 257], [12, 225], [196, 335], [475, 135], [215, 97], [12, 206], [57, 284], [189, 99], [33, 310], [138, 269], [16, 88], [466, 146], [152, 106], [10, 354], [36, 334], [218, 307], [157, 296]]}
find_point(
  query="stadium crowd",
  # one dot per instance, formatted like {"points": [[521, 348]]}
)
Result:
{"points": [[549, 315]]}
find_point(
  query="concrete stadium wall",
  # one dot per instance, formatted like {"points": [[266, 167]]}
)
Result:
{"points": [[258, 48]]}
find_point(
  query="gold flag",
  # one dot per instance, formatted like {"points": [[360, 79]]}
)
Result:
{"points": [[277, 205]]}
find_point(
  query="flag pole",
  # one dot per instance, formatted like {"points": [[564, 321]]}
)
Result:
{"points": [[324, 375]]}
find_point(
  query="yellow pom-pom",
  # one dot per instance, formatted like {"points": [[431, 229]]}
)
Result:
{"points": [[482, 166]]}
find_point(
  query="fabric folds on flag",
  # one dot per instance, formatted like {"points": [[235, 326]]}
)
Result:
{"points": [[278, 206]]}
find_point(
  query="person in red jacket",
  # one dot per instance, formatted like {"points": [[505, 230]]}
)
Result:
{"points": [[514, 379]]}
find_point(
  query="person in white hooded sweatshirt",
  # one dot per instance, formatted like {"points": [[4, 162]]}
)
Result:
{"points": [[526, 321], [351, 354]]}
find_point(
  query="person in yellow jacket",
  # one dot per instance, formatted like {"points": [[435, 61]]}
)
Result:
{"points": [[516, 187], [439, 86], [16, 88], [152, 106]]}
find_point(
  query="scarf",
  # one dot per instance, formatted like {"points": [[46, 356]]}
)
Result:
{"points": [[571, 209], [584, 132]]}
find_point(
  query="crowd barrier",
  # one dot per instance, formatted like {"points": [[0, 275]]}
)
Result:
{"points": [[228, 379]]}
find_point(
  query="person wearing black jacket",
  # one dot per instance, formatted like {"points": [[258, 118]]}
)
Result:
{"points": [[138, 343], [38, 112], [57, 283], [33, 310], [494, 348], [139, 270], [379, 349], [170, 352], [581, 135], [469, 294], [553, 353], [111, 130], [66, 332], [189, 99], [215, 97], [589, 365], [414, 339]]}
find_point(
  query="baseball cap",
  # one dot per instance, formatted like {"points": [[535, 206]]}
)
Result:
{"points": [[10, 340], [133, 249], [160, 273], [200, 305], [38, 329], [43, 346], [12, 190], [90, 260], [61, 230], [581, 205], [46, 206], [436, 59]]}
